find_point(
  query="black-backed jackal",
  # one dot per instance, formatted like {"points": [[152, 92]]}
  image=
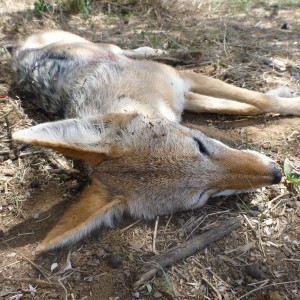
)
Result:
{"points": [[121, 116]]}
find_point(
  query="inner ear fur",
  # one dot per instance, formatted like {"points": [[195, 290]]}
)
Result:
{"points": [[92, 158], [91, 139], [94, 208]]}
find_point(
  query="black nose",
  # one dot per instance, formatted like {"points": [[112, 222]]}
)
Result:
{"points": [[276, 173]]}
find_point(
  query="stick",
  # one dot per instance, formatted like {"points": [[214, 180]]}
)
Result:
{"points": [[131, 225], [154, 236], [64, 288], [187, 248], [45, 273], [34, 281], [8, 132], [219, 296], [57, 160]]}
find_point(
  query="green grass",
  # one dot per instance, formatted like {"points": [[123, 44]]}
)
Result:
{"points": [[42, 6], [84, 7], [16, 203], [291, 174]]}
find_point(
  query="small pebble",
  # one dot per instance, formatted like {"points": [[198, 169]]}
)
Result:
{"points": [[115, 260], [3, 201], [157, 295], [254, 272], [107, 248], [35, 184], [95, 261], [100, 252], [64, 177], [255, 208], [136, 295], [8, 172], [159, 273], [36, 216]]}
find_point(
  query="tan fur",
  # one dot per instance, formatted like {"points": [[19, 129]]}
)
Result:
{"points": [[122, 117], [95, 201]]}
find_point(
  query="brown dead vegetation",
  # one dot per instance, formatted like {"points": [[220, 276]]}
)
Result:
{"points": [[254, 45]]}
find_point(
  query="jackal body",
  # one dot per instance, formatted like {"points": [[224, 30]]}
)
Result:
{"points": [[122, 115]]}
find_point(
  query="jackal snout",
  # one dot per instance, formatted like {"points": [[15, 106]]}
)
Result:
{"points": [[247, 169], [274, 172]]}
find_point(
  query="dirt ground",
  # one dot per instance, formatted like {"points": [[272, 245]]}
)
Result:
{"points": [[247, 43]]}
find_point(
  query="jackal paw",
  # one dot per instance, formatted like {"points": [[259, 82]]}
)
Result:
{"points": [[282, 91]]}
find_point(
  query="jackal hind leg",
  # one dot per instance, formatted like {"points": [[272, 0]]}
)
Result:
{"points": [[204, 85], [205, 104], [93, 209]]}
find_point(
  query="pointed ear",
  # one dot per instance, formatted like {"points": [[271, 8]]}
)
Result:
{"points": [[94, 208], [90, 139]]}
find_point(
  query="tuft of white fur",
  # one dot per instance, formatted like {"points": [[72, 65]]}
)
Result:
{"points": [[281, 91], [86, 133]]}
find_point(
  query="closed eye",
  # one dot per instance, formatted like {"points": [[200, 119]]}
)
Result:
{"points": [[201, 147]]}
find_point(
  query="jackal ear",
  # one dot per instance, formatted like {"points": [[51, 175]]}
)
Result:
{"points": [[90, 139]]}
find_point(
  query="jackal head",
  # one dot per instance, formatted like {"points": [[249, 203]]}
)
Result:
{"points": [[145, 167]]}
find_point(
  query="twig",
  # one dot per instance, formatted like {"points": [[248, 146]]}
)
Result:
{"points": [[45, 273], [64, 288], [224, 40], [19, 148], [210, 271], [154, 236], [292, 259], [8, 132], [168, 222], [202, 220], [23, 154], [34, 281], [41, 220], [260, 242], [4, 152], [187, 248], [275, 199], [250, 225], [6, 266], [182, 47], [58, 160], [180, 273], [131, 225], [212, 287], [6, 114], [26, 233]]}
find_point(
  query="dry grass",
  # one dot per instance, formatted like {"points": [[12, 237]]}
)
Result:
{"points": [[221, 39]]}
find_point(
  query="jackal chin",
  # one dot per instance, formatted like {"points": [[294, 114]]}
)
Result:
{"points": [[233, 192]]}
